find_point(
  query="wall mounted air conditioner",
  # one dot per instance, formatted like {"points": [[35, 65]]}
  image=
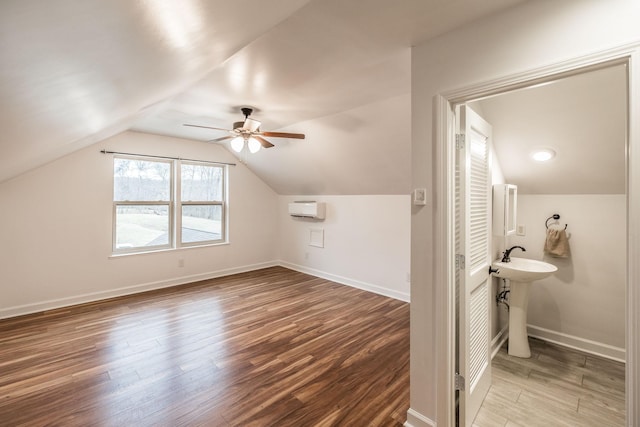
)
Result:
{"points": [[307, 209]]}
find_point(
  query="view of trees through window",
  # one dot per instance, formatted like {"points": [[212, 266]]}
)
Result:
{"points": [[201, 185], [155, 208]]}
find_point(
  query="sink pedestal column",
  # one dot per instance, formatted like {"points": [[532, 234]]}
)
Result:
{"points": [[518, 301]]}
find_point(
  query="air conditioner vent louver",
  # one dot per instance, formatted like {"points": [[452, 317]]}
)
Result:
{"points": [[307, 209]]}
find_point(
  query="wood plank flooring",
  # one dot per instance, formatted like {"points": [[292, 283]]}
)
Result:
{"points": [[556, 387], [267, 348]]}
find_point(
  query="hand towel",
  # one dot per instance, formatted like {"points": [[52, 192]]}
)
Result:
{"points": [[557, 243]]}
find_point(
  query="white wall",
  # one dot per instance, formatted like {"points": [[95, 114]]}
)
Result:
{"points": [[55, 224], [56, 228], [583, 303], [344, 153], [527, 37], [366, 242]]}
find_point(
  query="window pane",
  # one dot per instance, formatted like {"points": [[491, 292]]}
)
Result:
{"points": [[201, 183], [141, 226], [201, 223], [141, 180]]}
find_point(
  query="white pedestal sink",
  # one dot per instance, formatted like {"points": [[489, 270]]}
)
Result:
{"points": [[520, 272]]}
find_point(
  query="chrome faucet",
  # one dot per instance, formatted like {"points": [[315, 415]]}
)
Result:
{"points": [[507, 253]]}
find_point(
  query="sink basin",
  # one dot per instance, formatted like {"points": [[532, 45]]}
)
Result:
{"points": [[523, 269]]}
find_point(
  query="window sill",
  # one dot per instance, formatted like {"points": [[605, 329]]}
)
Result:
{"points": [[158, 251]]}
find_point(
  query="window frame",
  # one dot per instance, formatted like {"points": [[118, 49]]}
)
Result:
{"points": [[180, 203], [174, 206]]}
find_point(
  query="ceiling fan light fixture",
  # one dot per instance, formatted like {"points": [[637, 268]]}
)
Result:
{"points": [[251, 125], [237, 144], [248, 133], [253, 145]]}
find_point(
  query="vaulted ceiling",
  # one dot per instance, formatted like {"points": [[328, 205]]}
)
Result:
{"points": [[74, 73]]}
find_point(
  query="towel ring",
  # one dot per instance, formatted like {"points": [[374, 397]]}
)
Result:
{"points": [[556, 217]]}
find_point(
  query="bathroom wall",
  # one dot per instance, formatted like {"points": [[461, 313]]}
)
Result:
{"points": [[583, 304]]}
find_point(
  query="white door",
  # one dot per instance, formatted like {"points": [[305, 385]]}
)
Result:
{"points": [[473, 234]]}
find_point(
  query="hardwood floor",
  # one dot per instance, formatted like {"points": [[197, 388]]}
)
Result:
{"points": [[267, 348], [556, 387]]}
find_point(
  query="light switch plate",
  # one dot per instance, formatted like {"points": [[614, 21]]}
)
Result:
{"points": [[420, 196]]}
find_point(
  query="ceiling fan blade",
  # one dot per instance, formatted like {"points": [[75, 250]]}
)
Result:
{"points": [[205, 127], [283, 135], [263, 142], [224, 138], [251, 125]]}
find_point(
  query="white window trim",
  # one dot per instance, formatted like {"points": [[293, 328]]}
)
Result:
{"points": [[174, 205]]}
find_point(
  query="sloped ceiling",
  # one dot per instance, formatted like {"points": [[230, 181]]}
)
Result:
{"points": [[583, 118], [74, 73]]}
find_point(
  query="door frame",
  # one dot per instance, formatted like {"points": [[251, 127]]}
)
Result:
{"points": [[444, 218]]}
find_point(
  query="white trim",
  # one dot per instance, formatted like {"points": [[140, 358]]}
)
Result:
{"points": [[402, 296], [181, 248], [623, 54], [577, 343], [633, 243], [498, 341], [416, 419], [127, 290], [174, 205], [571, 341], [444, 248], [575, 66]]}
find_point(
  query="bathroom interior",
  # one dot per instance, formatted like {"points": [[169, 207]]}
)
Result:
{"points": [[581, 121]]}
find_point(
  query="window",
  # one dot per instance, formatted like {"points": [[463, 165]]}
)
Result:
{"points": [[202, 207], [164, 204]]}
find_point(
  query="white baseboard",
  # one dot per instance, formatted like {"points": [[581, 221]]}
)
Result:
{"points": [[416, 419], [500, 338], [127, 290], [577, 343], [349, 282]]}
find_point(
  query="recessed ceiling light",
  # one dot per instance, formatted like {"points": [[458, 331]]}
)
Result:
{"points": [[543, 154]]}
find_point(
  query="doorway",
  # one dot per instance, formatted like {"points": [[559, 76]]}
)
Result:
{"points": [[444, 137], [582, 119]]}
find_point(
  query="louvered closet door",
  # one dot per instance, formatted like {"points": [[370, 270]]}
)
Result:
{"points": [[474, 233]]}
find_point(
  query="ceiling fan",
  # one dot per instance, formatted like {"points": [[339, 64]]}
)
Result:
{"points": [[248, 132]]}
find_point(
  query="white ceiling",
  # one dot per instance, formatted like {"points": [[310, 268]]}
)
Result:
{"points": [[582, 118], [74, 73]]}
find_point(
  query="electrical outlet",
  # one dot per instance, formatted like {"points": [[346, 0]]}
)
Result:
{"points": [[181, 262], [521, 230], [306, 255]]}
